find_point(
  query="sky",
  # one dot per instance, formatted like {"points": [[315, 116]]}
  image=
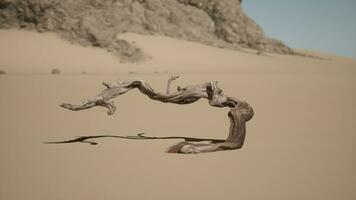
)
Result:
{"points": [[321, 25]]}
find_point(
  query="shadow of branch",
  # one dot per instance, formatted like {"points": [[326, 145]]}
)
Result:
{"points": [[140, 136]]}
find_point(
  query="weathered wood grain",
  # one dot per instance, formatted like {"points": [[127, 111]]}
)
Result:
{"points": [[240, 111]]}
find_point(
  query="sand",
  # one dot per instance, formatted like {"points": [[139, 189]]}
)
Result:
{"points": [[301, 143]]}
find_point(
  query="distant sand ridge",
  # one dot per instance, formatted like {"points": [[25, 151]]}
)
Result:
{"points": [[220, 23]]}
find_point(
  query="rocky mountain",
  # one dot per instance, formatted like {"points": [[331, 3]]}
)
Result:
{"points": [[220, 23]]}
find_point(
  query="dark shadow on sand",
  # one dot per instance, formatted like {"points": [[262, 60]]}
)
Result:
{"points": [[140, 136]]}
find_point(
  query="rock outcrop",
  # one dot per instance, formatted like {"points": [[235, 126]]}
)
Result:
{"points": [[220, 23]]}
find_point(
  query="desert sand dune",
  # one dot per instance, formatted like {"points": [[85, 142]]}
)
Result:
{"points": [[301, 143]]}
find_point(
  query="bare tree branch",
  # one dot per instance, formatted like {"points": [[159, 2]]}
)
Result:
{"points": [[169, 83], [240, 111]]}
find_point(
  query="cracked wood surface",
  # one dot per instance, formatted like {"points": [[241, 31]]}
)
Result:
{"points": [[240, 111]]}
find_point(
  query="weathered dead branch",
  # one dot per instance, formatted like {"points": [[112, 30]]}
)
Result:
{"points": [[240, 111]]}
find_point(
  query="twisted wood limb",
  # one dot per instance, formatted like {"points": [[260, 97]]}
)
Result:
{"points": [[240, 111], [169, 83]]}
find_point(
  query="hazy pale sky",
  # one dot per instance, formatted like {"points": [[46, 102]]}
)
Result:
{"points": [[321, 25]]}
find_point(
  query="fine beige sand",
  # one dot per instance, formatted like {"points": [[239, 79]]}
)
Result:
{"points": [[301, 143]]}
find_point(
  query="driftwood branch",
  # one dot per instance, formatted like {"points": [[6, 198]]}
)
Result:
{"points": [[240, 111]]}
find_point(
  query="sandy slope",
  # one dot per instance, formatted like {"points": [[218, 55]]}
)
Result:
{"points": [[301, 144]]}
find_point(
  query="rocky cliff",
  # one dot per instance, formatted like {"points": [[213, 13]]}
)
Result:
{"points": [[220, 23]]}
